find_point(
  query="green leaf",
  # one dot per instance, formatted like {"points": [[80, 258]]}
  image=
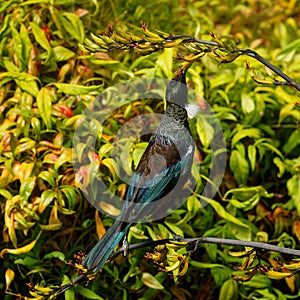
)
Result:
{"points": [[272, 148], [246, 193], [30, 2], [28, 261], [242, 230], [280, 165], [248, 104], [243, 133], [26, 82], [165, 62], [26, 43], [61, 53], [220, 274], [239, 166], [71, 195], [151, 281], [252, 156], [293, 142], [73, 26], [48, 176], [26, 189], [229, 290], [46, 198], [44, 103], [87, 293], [5, 193], [76, 89], [17, 43], [41, 38], [55, 254], [295, 45], [285, 111], [204, 130], [65, 157], [30, 87], [5, 5], [203, 265], [258, 281], [293, 186]]}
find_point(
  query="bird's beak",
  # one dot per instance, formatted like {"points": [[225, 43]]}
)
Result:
{"points": [[180, 76]]}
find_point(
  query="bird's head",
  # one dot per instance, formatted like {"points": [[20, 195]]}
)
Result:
{"points": [[177, 90]]}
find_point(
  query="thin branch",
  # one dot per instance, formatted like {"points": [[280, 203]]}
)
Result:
{"points": [[197, 241], [211, 240]]}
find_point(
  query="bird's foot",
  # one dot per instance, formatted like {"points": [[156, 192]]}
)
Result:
{"points": [[176, 237], [125, 246]]}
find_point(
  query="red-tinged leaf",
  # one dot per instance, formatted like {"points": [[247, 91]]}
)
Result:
{"points": [[63, 109], [50, 158], [28, 145]]}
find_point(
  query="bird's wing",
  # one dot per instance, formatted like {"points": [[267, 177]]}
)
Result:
{"points": [[145, 189]]}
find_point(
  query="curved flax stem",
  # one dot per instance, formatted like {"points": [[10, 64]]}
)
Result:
{"points": [[258, 57], [248, 52]]}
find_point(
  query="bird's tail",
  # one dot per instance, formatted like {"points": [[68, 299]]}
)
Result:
{"points": [[96, 258]]}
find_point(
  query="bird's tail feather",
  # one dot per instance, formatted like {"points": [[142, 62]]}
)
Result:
{"points": [[96, 258]]}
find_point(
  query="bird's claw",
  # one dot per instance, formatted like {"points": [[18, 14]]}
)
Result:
{"points": [[125, 246], [177, 237]]}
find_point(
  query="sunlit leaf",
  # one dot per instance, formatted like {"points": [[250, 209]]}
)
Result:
{"points": [[74, 89], [151, 281], [9, 277], [41, 38], [44, 102], [74, 26], [55, 254], [26, 189], [21, 250], [62, 53], [239, 166]]}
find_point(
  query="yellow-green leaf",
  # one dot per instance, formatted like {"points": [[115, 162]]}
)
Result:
{"points": [[151, 281], [44, 103], [21, 250], [9, 277]]}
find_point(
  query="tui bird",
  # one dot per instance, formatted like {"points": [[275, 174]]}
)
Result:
{"points": [[165, 165]]}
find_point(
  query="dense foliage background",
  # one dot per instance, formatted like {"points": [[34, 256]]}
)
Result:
{"points": [[46, 81]]}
